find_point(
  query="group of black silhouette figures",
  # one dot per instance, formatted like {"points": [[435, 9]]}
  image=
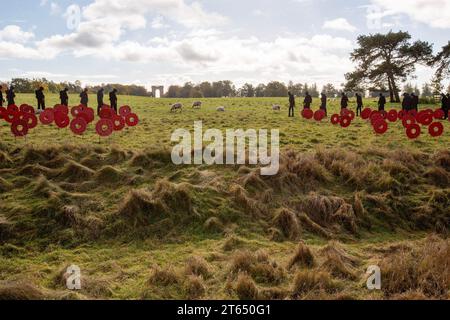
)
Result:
{"points": [[63, 96], [410, 102]]}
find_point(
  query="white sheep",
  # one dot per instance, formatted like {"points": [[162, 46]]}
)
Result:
{"points": [[276, 107], [176, 106], [197, 105], [221, 109]]}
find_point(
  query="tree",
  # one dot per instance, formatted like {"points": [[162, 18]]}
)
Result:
{"points": [[385, 59], [276, 89], [330, 90], [295, 88], [247, 91], [260, 90], [442, 62], [436, 86], [313, 91], [426, 91]]}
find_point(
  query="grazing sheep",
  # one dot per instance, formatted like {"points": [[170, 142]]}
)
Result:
{"points": [[176, 106], [221, 109], [276, 107], [197, 105]]}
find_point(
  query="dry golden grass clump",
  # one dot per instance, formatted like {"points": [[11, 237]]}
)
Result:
{"points": [[19, 291], [164, 277], [246, 288], [5, 185], [338, 262], [214, 225], [303, 257], [258, 266], [309, 282], [246, 203], [232, 242], [194, 287], [286, 221], [198, 266], [75, 172], [167, 200], [109, 174], [423, 269]]}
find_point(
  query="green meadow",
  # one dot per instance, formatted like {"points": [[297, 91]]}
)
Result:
{"points": [[140, 227]]}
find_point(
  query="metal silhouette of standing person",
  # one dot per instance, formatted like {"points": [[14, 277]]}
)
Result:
{"points": [[407, 102], [84, 97], [1, 96], [381, 102], [291, 104], [323, 103], [113, 99], [10, 96], [308, 101], [344, 101], [445, 104], [64, 97], [359, 104], [40, 97], [414, 102], [100, 95]]}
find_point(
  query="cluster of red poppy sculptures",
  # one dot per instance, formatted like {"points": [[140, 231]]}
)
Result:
{"points": [[412, 120], [23, 119]]}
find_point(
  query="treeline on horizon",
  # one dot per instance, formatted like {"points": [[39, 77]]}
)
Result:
{"points": [[216, 89]]}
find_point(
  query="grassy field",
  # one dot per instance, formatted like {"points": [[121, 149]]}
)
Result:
{"points": [[140, 227]]}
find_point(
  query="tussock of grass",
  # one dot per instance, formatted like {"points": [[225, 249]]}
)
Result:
{"points": [[258, 266], [198, 266], [424, 269], [19, 291], [302, 257], [109, 174], [338, 262], [214, 225], [5, 185], [311, 282], [194, 287], [287, 222], [164, 277], [75, 172], [246, 288], [167, 200]]}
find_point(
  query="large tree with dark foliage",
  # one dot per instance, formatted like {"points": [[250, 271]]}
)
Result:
{"points": [[442, 62], [386, 59]]}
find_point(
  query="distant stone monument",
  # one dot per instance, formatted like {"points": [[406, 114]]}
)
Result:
{"points": [[156, 89]]}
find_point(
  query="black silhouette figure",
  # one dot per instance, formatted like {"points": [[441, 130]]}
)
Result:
{"points": [[407, 102], [64, 97], [10, 96], [344, 101], [308, 101], [84, 97], [113, 99], [1, 96], [40, 97], [414, 102], [445, 104], [100, 96], [323, 103], [381, 102], [291, 104], [359, 104]]}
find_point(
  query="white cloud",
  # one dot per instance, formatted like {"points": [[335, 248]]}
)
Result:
{"points": [[340, 24], [15, 34], [435, 13]]}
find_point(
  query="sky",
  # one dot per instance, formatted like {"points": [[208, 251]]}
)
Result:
{"points": [[163, 42]]}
